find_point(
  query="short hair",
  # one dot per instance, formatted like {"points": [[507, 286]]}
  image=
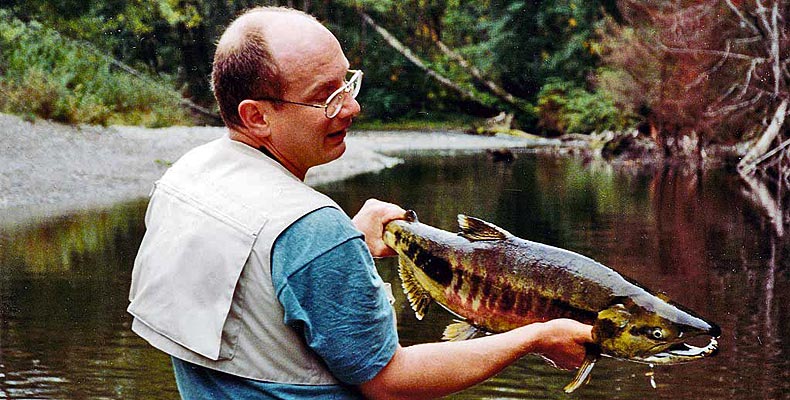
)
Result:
{"points": [[245, 69]]}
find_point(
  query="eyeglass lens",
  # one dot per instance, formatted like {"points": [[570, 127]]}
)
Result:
{"points": [[335, 102]]}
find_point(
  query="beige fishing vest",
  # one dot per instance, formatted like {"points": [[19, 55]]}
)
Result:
{"points": [[201, 286]]}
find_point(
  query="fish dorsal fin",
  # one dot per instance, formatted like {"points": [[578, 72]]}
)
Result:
{"points": [[460, 330], [475, 229], [419, 298]]}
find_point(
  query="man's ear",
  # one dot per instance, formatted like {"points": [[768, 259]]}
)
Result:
{"points": [[253, 116]]}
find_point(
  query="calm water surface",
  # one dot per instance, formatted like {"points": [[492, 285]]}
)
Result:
{"points": [[64, 333]]}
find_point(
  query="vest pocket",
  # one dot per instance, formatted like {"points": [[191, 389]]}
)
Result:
{"points": [[187, 269]]}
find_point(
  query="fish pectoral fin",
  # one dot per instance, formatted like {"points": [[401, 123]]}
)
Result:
{"points": [[419, 298], [583, 374], [474, 229], [460, 330]]}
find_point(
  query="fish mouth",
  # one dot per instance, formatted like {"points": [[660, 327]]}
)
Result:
{"points": [[682, 352]]}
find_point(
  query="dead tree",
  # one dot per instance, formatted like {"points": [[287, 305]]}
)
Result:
{"points": [[396, 44], [475, 72], [730, 57], [724, 68]]}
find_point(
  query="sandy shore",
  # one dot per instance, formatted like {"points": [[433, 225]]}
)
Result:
{"points": [[49, 169]]}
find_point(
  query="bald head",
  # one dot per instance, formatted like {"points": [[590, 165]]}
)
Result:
{"points": [[258, 50]]}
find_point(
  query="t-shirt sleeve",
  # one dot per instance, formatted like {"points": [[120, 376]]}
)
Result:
{"points": [[330, 290]]}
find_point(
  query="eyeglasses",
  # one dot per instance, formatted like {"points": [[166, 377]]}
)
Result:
{"points": [[333, 103]]}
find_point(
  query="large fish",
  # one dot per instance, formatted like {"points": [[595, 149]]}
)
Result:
{"points": [[495, 282]]}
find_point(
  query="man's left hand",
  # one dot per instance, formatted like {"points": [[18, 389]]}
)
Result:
{"points": [[371, 219]]}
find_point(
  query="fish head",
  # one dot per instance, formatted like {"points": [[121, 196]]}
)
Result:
{"points": [[400, 232], [650, 330]]}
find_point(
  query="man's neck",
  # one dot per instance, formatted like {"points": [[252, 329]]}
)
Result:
{"points": [[260, 146]]}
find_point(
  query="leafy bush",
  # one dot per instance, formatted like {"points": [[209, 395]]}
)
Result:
{"points": [[566, 108], [45, 75]]}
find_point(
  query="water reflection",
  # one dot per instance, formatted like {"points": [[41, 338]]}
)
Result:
{"points": [[63, 283], [63, 329]]}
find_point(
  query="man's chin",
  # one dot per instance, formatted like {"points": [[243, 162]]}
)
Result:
{"points": [[336, 145]]}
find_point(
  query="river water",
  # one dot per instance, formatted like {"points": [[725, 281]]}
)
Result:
{"points": [[64, 333]]}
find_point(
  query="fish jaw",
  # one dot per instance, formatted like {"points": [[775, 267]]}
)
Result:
{"points": [[681, 352], [648, 330]]}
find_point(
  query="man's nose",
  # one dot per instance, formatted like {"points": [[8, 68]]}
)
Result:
{"points": [[351, 108]]}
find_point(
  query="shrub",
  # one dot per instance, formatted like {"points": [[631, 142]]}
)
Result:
{"points": [[565, 108], [52, 77]]}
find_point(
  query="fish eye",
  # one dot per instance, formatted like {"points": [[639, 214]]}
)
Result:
{"points": [[657, 333]]}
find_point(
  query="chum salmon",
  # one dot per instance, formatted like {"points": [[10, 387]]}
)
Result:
{"points": [[494, 281]]}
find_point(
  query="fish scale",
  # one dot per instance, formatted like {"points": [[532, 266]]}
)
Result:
{"points": [[495, 282]]}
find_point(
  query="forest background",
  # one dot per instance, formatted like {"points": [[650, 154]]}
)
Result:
{"points": [[686, 74]]}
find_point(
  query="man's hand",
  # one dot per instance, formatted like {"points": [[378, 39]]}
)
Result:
{"points": [[561, 341], [370, 220]]}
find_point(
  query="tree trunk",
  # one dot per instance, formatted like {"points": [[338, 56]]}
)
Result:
{"points": [[750, 160], [472, 70], [406, 52]]}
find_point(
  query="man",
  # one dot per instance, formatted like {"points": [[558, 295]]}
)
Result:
{"points": [[260, 287]]}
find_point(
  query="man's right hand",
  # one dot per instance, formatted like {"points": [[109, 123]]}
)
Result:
{"points": [[561, 341]]}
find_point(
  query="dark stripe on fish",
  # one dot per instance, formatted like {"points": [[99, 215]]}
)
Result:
{"points": [[474, 286], [507, 300], [458, 281], [438, 269]]}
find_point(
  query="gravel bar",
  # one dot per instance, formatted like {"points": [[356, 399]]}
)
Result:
{"points": [[49, 169]]}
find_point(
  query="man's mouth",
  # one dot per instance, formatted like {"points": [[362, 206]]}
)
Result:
{"points": [[338, 134]]}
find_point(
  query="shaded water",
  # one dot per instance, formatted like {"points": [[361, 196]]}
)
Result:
{"points": [[63, 283]]}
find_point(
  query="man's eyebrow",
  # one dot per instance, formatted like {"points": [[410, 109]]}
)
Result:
{"points": [[320, 88]]}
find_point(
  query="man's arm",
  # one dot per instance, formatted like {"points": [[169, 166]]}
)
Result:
{"points": [[437, 369]]}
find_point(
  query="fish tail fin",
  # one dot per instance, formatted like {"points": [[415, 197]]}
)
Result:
{"points": [[419, 299], [458, 331], [583, 374]]}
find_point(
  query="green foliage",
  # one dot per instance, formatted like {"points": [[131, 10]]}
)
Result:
{"points": [[538, 40], [566, 108], [44, 74], [515, 43]]}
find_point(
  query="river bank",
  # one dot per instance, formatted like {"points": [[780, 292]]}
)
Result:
{"points": [[49, 169]]}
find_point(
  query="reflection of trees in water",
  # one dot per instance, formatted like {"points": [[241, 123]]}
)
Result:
{"points": [[71, 243], [755, 301], [726, 252], [765, 188], [436, 187], [63, 291], [766, 196]]}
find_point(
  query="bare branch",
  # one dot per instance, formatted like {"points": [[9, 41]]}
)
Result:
{"points": [[772, 152], [743, 19], [727, 94], [713, 69], [735, 107], [761, 11], [748, 79], [748, 40], [711, 53], [748, 162], [775, 48]]}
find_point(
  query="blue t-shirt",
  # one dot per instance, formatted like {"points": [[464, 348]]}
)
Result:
{"points": [[329, 288]]}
